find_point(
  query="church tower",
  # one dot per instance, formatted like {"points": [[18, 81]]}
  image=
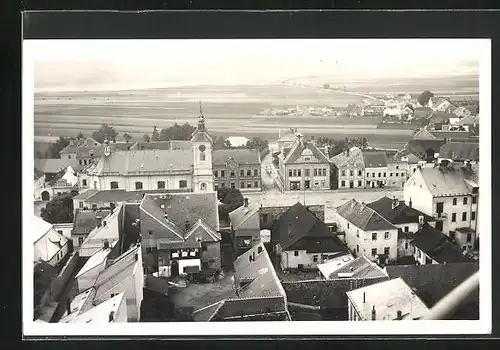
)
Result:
{"points": [[203, 178]]}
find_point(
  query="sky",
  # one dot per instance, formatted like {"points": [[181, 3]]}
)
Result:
{"points": [[110, 64]]}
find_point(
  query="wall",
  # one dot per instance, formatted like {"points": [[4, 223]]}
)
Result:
{"points": [[400, 168], [290, 261], [420, 257], [58, 284], [369, 178], [227, 179], [43, 248], [405, 248], [65, 229], [274, 213], [121, 313], [148, 182], [458, 209], [87, 280], [323, 182], [416, 190], [212, 255], [355, 177]]}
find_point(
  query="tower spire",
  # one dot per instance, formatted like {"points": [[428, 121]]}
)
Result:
{"points": [[201, 110]]}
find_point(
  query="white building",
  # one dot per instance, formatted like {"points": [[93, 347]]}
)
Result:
{"points": [[366, 232], [49, 245], [391, 300], [450, 194], [111, 311]]}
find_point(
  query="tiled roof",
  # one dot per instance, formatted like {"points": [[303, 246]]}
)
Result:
{"points": [[361, 267], [460, 151], [86, 220], [40, 228], [260, 270], [438, 246], [302, 223], [86, 194], [144, 161], [52, 165], [288, 136], [450, 180], [401, 214], [43, 274], [354, 160], [84, 151], [99, 313], [363, 216], [461, 112], [252, 309], [249, 215], [299, 146], [434, 281], [240, 156], [374, 159]]}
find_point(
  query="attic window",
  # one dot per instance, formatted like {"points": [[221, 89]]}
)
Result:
{"points": [[259, 250]]}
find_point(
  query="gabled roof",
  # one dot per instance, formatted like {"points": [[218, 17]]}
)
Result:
{"points": [[438, 246], [439, 134], [40, 228], [439, 117], [460, 151], [299, 146], [249, 215], [288, 136], [86, 220], [469, 120], [374, 159], [450, 180], [432, 282], [363, 217], [240, 156], [361, 267], [119, 195], [353, 160], [302, 224], [401, 214], [423, 134], [52, 165], [99, 313]]}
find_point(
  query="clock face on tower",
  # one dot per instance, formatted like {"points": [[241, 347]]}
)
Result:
{"points": [[202, 148]]}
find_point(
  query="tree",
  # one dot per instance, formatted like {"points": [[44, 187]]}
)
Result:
{"points": [[177, 132], [232, 199], [105, 132], [127, 137], [146, 138], [257, 143], [220, 143], [59, 210], [221, 193], [80, 136], [155, 136], [424, 97], [58, 146]]}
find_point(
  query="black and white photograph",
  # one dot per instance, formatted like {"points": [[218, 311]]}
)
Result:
{"points": [[188, 187]]}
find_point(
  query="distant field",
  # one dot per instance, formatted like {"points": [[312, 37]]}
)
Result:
{"points": [[230, 111]]}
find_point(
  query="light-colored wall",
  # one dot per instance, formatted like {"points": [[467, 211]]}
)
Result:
{"points": [[121, 313], [323, 181], [43, 248], [65, 229], [420, 257], [290, 261], [148, 182], [416, 190], [355, 177], [109, 233], [87, 280]]}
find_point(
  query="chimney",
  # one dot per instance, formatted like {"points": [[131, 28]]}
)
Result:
{"points": [[395, 202], [347, 152], [400, 315], [186, 225], [106, 245], [410, 203], [99, 221], [374, 314], [364, 296], [104, 223], [72, 142], [68, 306], [326, 150], [245, 200], [111, 316]]}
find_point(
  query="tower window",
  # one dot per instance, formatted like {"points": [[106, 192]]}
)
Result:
{"points": [[161, 185], [138, 185], [202, 156], [114, 185]]}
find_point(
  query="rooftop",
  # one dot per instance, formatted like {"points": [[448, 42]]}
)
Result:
{"points": [[86, 220], [438, 246], [53, 165], [240, 156], [460, 151], [361, 267], [363, 217], [374, 159], [387, 298], [299, 146], [353, 160], [399, 214], [423, 148], [423, 134], [163, 145], [245, 214], [107, 196], [100, 313], [96, 259], [450, 180], [40, 228]]}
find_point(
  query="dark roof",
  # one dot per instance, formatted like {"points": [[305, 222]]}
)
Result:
{"points": [[460, 151], [374, 159], [450, 134], [439, 117], [401, 214], [163, 145], [240, 156], [422, 112], [419, 147], [438, 246], [299, 146], [434, 281], [361, 267], [303, 223], [319, 245], [252, 309], [121, 195], [363, 216], [86, 220]]}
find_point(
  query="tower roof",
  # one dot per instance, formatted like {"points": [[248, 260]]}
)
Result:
{"points": [[201, 134]]}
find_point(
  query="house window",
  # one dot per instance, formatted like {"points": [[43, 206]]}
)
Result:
{"points": [[402, 174], [232, 173], [203, 247], [95, 184], [80, 161], [315, 258], [464, 216], [324, 172], [69, 156], [249, 185], [367, 174], [84, 182], [343, 172], [308, 172], [474, 200], [414, 169], [397, 174], [138, 185], [223, 184], [202, 156], [387, 251], [379, 174], [397, 166], [296, 253], [359, 172], [454, 201], [299, 172], [360, 183], [232, 185], [294, 172], [469, 237], [216, 173], [222, 173], [351, 173], [465, 200], [290, 172], [454, 217], [407, 229], [357, 248], [374, 251], [256, 183], [161, 185], [242, 172], [390, 174], [242, 184], [80, 240], [316, 172], [473, 215], [59, 231], [384, 174], [80, 205], [406, 245], [307, 159], [249, 172], [374, 236], [150, 232], [255, 172], [114, 185], [387, 235], [216, 187], [373, 174], [342, 183], [182, 184]]}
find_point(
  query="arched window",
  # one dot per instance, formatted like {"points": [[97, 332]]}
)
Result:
{"points": [[114, 185], [182, 184], [203, 186], [138, 185], [202, 156], [161, 185]]}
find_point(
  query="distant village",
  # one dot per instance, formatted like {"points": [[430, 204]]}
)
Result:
{"points": [[179, 230]]}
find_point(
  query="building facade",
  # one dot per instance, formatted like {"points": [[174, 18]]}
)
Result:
{"points": [[237, 168]]}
